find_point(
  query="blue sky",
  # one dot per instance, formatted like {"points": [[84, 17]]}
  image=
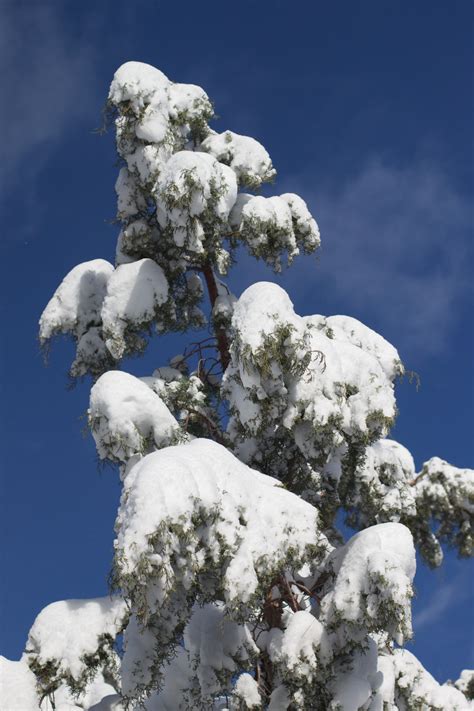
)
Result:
{"points": [[366, 110]]}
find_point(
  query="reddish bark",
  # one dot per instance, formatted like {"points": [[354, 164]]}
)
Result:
{"points": [[222, 341]]}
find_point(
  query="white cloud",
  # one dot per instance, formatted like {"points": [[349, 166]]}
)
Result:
{"points": [[438, 604], [444, 596], [395, 246], [47, 82]]}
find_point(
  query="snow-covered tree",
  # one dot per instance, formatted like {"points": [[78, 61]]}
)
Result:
{"points": [[233, 587]]}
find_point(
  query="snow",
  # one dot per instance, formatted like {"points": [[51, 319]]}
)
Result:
{"points": [[279, 699], [246, 156], [445, 486], [372, 588], [213, 651], [195, 522], [137, 83], [394, 456], [265, 226], [17, 686], [211, 480], [146, 163], [178, 679], [216, 645], [153, 123], [304, 225], [193, 186], [92, 354], [66, 700], [134, 239], [77, 302], [297, 378], [444, 494], [111, 702], [294, 648], [369, 588], [223, 308], [466, 678], [258, 310], [136, 671], [155, 119], [346, 328], [354, 684], [65, 631], [185, 395], [383, 484], [127, 417], [385, 487], [408, 685], [275, 225], [134, 294], [129, 200], [246, 689], [162, 376], [189, 102]]}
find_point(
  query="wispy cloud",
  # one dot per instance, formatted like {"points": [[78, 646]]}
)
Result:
{"points": [[443, 597], [439, 603], [396, 245], [47, 82]]}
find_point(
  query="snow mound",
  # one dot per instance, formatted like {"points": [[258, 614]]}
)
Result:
{"points": [[145, 163], [138, 84], [299, 387], [372, 587], [77, 302], [130, 200], [214, 649], [127, 417], [246, 156], [304, 225], [70, 637], [406, 684], [444, 494], [294, 649], [194, 524], [189, 104], [17, 686], [111, 702], [246, 689], [242, 512], [465, 683], [135, 293], [194, 190], [155, 118], [275, 225], [381, 489], [442, 485], [216, 646], [346, 328]]}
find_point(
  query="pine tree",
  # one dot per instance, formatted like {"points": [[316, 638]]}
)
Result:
{"points": [[232, 585]]}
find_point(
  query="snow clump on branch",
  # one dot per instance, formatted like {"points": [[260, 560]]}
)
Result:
{"points": [[221, 537], [303, 389], [127, 418], [72, 640]]}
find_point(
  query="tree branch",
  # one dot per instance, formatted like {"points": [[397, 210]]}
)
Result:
{"points": [[222, 341], [212, 427]]}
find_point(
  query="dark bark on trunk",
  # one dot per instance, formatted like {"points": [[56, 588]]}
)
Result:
{"points": [[222, 340]]}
